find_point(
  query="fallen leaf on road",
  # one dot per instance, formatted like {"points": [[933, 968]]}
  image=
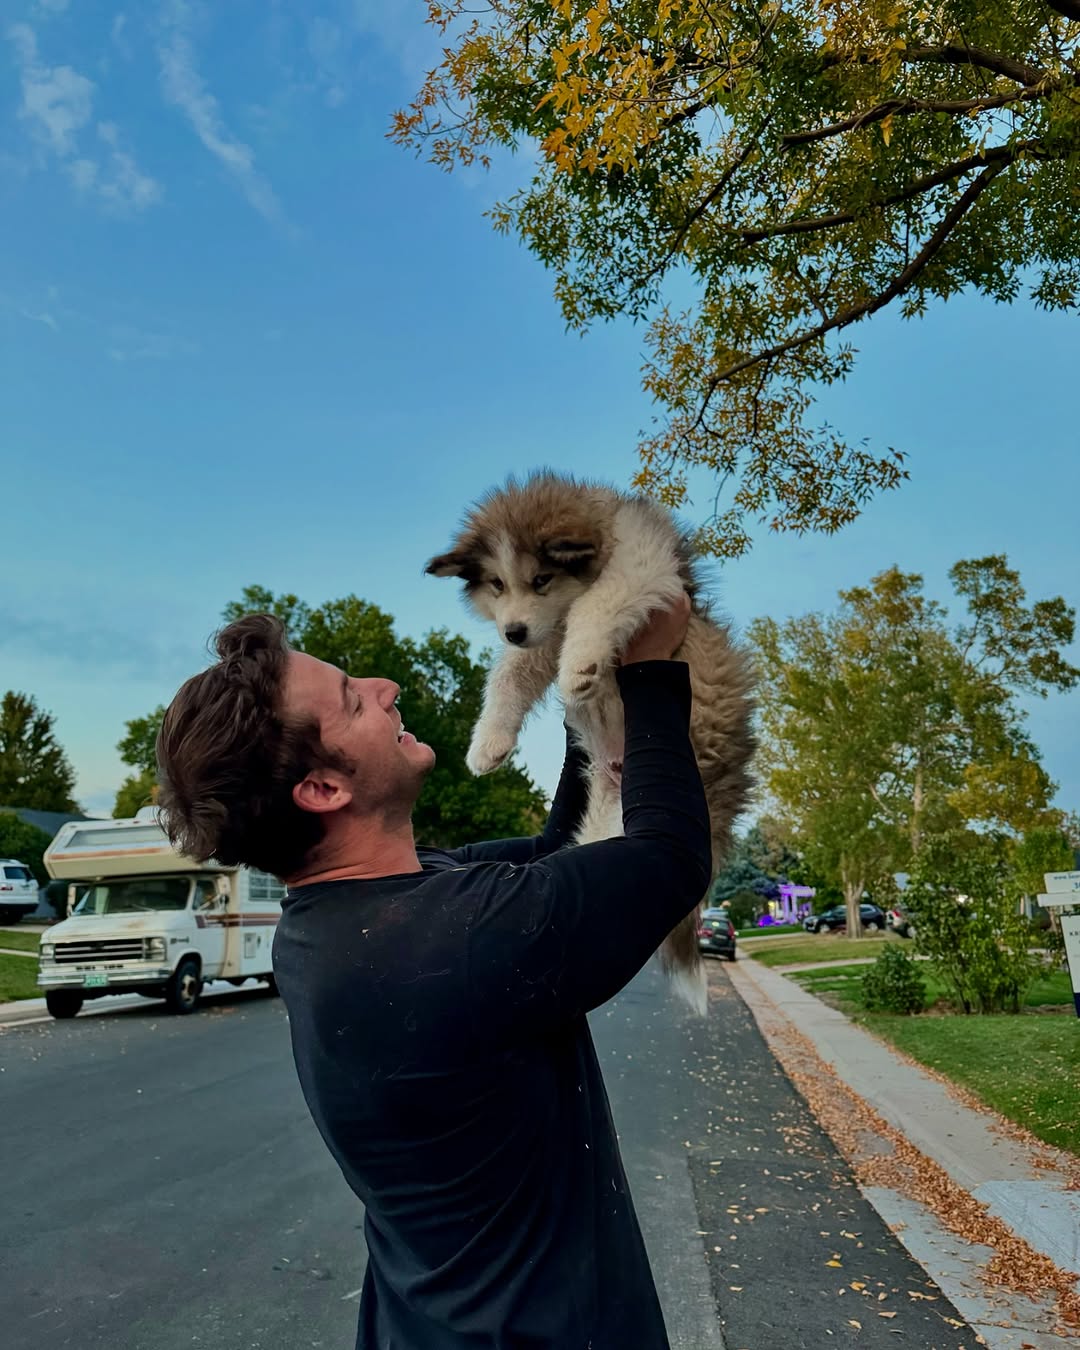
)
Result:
{"points": [[886, 1314], [834, 1263], [853, 1323]]}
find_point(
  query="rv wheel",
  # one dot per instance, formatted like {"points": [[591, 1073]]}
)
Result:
{"points": [[271, 985], [63, 1003], [184, 987]]}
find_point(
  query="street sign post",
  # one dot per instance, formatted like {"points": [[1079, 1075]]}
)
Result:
{"points": [[1063, 891]]}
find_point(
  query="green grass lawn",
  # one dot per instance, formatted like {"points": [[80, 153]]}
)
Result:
{"points": [[20, 942], [17, 978], [776, 930], [1025, 1068], [840, 986], [792, 951]]}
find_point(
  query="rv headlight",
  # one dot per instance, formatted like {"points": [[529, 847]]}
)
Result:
{"points": [[155, 949], [46, 950]]}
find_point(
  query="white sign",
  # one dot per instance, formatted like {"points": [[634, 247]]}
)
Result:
{"points": [[1059, 901], [1070, 926], [1061, 883]]}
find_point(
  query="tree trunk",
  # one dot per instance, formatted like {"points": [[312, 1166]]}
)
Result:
{"points": [[917, 800], [853, 892]]}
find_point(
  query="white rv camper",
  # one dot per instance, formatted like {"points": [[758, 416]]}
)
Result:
{"points": [[144, 919]]}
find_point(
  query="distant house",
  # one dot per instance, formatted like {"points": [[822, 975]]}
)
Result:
{"points": [[49, 821]]}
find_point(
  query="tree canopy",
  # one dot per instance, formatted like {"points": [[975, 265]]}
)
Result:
{"points": [[19, 839], [441, 695], [805, 164], [883, 728], [34, 769]]}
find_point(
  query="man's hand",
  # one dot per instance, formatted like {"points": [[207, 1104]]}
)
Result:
{"points": [[662, 635]]}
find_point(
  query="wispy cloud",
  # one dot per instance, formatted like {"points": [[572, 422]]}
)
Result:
{"points": [[57, 102], [51, 6], [118, 35], [121, 341], [57, 105], [400, 30], [82, 644], [127, 343], [328, 48], [44, 317], [184, 88]]}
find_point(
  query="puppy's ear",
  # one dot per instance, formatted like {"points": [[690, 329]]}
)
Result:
{"points": [[457, 563], [572, 554]]}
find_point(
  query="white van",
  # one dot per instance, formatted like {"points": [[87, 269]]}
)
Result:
{"points": [[18, 891], [146, 920]]}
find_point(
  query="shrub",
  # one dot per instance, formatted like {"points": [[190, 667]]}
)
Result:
{"points": [[893, 983], [964, 903]]}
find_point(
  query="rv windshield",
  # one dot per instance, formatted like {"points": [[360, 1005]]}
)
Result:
{"points": [[134, 895]]}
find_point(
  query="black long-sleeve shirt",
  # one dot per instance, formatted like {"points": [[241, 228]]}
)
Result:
{"points": [[439, 1032]]}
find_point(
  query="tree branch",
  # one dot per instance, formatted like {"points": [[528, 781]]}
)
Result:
{"points": [[898, 107], [707, 201], [931, 180], [896, 287], [958, 55]]}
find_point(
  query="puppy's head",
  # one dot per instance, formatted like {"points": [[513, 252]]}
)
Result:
{"points": [[523, 568]]}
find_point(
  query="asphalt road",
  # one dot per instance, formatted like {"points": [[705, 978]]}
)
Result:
{"points": [[163, 1187]]}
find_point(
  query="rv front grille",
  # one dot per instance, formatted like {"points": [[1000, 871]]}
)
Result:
{"points": [[109, 949]]}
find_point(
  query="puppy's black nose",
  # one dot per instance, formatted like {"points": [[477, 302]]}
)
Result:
{"points": [[516, 633]]}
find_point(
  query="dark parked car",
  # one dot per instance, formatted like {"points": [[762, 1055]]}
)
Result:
{"points": [[836, 917], [716, 934]]}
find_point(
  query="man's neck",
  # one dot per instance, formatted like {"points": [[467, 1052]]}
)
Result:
{"points": [[363, 852]]}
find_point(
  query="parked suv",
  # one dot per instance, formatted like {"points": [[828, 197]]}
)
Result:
{"points": [[18, 891], [716, 934], [836, 917]]}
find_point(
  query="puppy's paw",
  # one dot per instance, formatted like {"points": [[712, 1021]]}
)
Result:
{"points": [[489, 747], [580, 678]]}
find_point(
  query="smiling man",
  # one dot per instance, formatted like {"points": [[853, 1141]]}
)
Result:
{"points": [[437, 999]]}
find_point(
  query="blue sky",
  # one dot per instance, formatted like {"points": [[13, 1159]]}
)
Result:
{"points": [[245, 339]]}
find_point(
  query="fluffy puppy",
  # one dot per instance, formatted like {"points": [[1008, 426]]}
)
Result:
{"points": [[568, 571]]}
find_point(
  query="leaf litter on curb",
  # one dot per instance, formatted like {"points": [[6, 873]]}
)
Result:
{"points": [[848, 1120]]}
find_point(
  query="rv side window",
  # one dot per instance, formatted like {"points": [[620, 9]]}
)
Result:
{"points": [[264, 889]]}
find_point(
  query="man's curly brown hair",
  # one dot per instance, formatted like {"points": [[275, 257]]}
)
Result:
{"points": [[228, 760]]}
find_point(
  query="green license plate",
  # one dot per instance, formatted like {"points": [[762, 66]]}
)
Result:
{"points": [[96, 981]]}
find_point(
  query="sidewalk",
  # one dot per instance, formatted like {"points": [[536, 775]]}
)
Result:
{"points": [[1024, 1186]]}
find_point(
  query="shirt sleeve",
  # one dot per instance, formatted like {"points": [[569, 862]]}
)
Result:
{"points": [[567, 809], [551, 940]]}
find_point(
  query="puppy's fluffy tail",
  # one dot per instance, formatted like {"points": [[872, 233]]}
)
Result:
{"points": [[681, 959]]}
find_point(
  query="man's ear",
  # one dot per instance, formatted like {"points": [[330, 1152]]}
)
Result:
{"points": [[323, 791]]}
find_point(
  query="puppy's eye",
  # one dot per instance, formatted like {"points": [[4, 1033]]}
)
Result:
{"points": [[496, 585], [541, 581]]}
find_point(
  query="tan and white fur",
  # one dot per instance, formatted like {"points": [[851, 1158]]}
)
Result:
{"points": [[568, 572]]}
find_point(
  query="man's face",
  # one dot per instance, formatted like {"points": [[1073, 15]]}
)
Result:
{"points": [[358, 719]]}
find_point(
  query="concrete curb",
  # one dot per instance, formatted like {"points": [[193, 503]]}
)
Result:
{"points": [[995, 1168], [24, 1012]]}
